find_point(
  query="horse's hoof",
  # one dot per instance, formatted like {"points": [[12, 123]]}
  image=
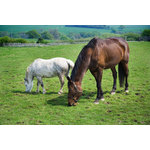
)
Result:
{"points": [[60, 93], [96, 102], [112, 93], [102, 99], [127, 91], [44, 92]]}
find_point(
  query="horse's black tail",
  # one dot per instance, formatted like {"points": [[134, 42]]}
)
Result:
{"points": [[121, 72]]}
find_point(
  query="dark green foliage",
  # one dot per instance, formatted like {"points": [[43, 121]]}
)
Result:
{"points": [[15, 35], [131, 36], [108, 35], [47, 35], [33, 34], [64, 37], [41, 40], [6, 39], [23, 35], [146, 32], [87, 34], [19, 40], [55, 33], [145, 35], [82, 35]]}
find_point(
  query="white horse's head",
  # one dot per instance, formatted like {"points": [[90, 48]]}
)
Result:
{"points": [[28, 81], [28, 84]]}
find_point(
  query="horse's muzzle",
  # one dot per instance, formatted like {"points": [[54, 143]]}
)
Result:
{"points": [[73, 104]]}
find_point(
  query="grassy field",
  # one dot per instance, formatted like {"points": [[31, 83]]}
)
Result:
{"points": [[18, 107]]}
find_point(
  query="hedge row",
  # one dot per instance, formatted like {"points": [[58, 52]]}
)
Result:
{"points": [[7, 39]]}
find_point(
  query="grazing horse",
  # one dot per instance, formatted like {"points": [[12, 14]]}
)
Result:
{"points": [[97, 55], [42, 68]]}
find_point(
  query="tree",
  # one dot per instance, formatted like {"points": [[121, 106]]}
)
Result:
{"points": [[132, 36], [146, 32], [23, 35], [40, 40], [146, 35], [46, 35], [55, 33], [121, 27], [113, 30], [15, 35], [64, 37], [71, 35], [4, 33], [33, 34]]}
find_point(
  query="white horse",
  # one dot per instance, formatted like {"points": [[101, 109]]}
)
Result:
{"points": [[42, 68]]}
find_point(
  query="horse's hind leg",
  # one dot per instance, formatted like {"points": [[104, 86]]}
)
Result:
{"points": [[38, 83], [114, 73], [126, 70], [61, 78], [42, 84]]}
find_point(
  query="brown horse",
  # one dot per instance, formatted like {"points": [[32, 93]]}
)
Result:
{"points": [[97, 55]]}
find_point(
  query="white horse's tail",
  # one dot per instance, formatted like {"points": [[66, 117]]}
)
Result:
{"points": [[70, 66], [70, 63]]}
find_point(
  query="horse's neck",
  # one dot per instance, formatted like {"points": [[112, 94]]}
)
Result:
{"points": [[80, 70], [80, 74], [29, 75]]}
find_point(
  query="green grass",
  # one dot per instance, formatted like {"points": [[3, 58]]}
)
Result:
{"points": [[18, 107]]}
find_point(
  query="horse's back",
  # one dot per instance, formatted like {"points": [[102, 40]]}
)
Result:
{"points": [[49, 67], [109, 52]]}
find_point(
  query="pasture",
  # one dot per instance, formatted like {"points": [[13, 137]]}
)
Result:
{"points": [[20, 108]]}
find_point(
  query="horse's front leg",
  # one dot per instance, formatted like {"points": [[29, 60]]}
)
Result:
{"points": [[42, 84], [98, 78]]}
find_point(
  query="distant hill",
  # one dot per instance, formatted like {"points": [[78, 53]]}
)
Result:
{"points": [[90, 26], [65, 29]]}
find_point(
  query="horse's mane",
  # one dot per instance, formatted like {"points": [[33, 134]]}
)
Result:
{"points": [[81, 58], [28, 71]]}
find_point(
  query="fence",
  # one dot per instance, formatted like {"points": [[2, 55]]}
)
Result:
{"points": [[36, 44]]}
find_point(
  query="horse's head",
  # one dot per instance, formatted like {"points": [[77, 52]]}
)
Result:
{"points": [[73, 93], [28, 84]]}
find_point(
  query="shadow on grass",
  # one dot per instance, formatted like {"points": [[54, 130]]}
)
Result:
{"points": [[60, 100], [33, 93], [63, 99]]}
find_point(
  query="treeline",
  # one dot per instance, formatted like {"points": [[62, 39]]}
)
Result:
{"points": [[34, 34], [54, 35], [90, 26]]}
